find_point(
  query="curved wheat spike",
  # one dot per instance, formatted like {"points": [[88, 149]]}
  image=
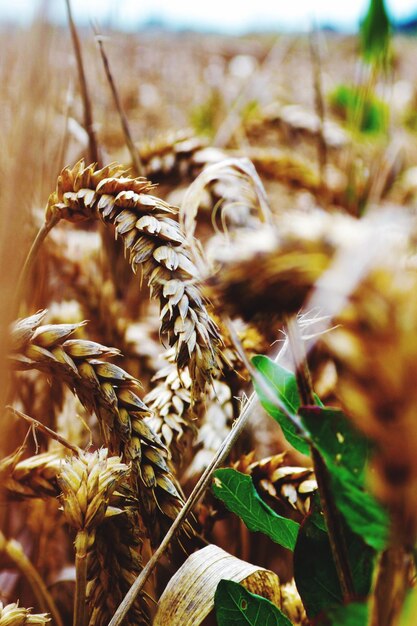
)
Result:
{"points": [[111, 393], [171, 157], [155, 243]]}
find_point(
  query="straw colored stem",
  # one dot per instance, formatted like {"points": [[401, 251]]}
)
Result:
{"points": [[48, 431], [94, 155], [136, 160], [45, 601], [80, 606], [34, 249], [392, 583]]}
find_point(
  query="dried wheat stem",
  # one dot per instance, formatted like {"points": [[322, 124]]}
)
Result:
{"points": [[80, 606], [48, 431], [15, 553], [391, 586], [34, 249], [135, 156], [94, 153]]}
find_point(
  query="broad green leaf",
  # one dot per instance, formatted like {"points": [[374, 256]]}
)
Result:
{"points": [[235, 606], [237, 492], [362, 512], [355, 614], [346, 452], [283, 384], [314, 569], [337, 440], [375, 32]]}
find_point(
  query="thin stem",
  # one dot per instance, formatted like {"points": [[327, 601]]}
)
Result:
{"points": [[319, 104], [93, 150], [80, 606], [48, 431], [34, 249], [197, 492], [134, 154], [46, 603], [194, 497], [330, 511], [392, 582]]}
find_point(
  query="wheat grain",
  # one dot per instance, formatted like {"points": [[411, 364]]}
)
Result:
{"points": [[15, 615], [153, 242], [111, 393]]}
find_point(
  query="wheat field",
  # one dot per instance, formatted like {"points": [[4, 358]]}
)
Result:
{"points": [[208, 328]]}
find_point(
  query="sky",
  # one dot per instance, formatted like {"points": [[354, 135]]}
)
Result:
{"points": [[233, 16]]}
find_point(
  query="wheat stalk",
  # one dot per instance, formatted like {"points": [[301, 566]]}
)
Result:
{"points": [[14, 552]]}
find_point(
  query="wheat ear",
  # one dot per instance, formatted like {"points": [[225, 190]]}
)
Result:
{"points": [[87, 482], [155, 243], [111, 393], [15, 615], [114, 559]]}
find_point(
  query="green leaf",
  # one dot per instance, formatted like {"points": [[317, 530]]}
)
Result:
{"points": [[355, 614], [235, 606], [346, 453], [337, 440], [314, 569], [363, 111], [375, 32], [362, 512], [284, 386], [237, 492]]}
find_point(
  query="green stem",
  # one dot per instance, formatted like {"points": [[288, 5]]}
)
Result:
{"points": [[331, 514], [80, 606]]}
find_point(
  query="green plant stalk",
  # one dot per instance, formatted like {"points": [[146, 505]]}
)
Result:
{"points": [[331, 514], [82, 541], [46, 603]]}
